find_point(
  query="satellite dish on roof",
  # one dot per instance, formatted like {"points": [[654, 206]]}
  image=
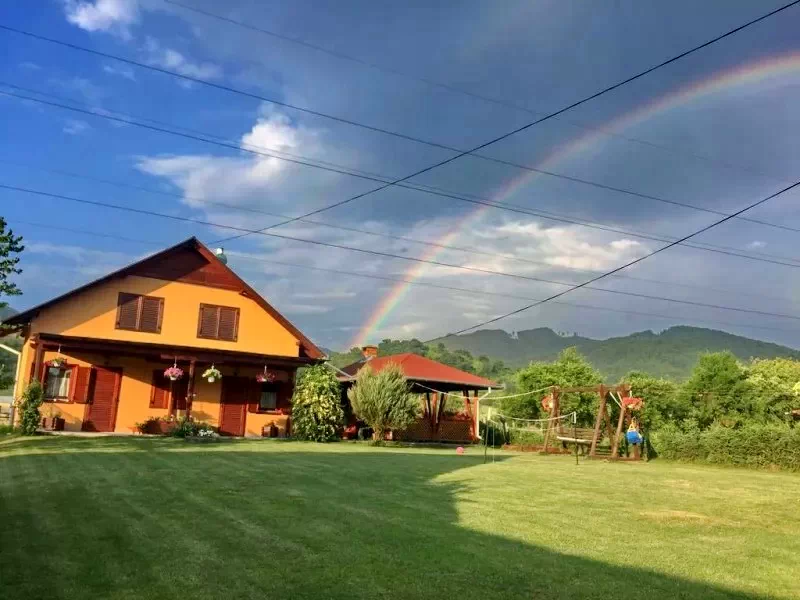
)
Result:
{"points": [[220, 252]]}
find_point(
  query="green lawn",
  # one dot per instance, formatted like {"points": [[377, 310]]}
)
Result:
{"points": [[152, 518]]}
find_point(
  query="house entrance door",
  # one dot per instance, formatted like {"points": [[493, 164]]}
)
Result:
{"points": [[233, 411], [101, 410]]}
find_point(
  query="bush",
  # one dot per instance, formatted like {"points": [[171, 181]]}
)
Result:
{"points": [[383, 400], [752, 446], [29, 405], [317, 413], [522, 437], [188, 428], [6, 429], [493, 434], [152, 426]]}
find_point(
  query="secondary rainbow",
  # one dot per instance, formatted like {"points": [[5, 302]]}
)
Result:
{"points": [[752, 73]]}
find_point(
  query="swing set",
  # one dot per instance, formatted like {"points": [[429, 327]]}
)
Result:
{"points": [[590, 437]]}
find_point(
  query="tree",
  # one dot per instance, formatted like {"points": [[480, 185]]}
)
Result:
{"points": [[316, 405], [661, 403], [718, 391], [776, 387], [568, 370], [29, 404], [383, 400], [10, 247]]}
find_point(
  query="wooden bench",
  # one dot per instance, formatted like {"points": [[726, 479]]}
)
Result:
{"points": [[581, 435]]}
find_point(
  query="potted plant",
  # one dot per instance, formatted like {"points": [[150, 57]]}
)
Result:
{"points": [[173, 373], [266, 376], [58, 362], [212, 374]]}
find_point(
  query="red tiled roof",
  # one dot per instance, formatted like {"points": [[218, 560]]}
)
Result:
{"points": [[419, 368]]}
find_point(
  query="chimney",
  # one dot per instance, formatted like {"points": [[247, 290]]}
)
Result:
{"points": [[369, 352]]}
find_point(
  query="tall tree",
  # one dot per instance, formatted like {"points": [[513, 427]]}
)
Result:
{"points": [[718, 391], [10, 249]]}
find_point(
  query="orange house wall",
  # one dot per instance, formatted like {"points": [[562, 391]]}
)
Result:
{"points": [[93, 314], [135, 389]]}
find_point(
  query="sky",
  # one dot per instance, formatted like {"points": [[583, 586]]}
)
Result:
{"points": [[313, 102]]}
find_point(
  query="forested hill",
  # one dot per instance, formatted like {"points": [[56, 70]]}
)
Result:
{"points": [[671, 353]]}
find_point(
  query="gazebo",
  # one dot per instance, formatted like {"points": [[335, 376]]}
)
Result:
{"points": [[449, 397]]}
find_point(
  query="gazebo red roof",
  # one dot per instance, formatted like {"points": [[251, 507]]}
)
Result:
{"points": [[421, 369]]}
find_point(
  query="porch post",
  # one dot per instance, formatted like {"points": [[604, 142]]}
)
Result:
{"points": [[190, 390], [38, 358]]}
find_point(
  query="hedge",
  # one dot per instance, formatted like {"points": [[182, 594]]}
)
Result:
{"points": [[761, 446]]}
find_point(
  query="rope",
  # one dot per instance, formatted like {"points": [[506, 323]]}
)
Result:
{"points": [[560, 417], [492, 398]]}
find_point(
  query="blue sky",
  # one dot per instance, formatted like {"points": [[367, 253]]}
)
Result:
{"points": [[720, 151]]}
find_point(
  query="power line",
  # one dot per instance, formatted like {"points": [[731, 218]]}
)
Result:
{"points": [[458, 90], [247, 257], [398, 256], [125, 185], [468, 198], [459, 155], [585, 284]]}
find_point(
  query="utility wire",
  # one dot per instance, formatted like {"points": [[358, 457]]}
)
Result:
{"points": [[468, 250], [406, 258], [372, 276], [586, 284], [461, 91], [726, 250], [197, 135], [441, 163]]}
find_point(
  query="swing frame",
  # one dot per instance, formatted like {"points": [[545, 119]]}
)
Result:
{"points": [[623, 391]]}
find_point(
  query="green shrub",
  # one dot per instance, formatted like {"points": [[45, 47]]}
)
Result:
{"points": [[493, 434], [317, 413], [189, 428], [6, 429], [152, 425], [29, 405], [383, 400], [522, 437], [772, 445]]}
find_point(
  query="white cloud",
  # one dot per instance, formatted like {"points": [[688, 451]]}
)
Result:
{"points": [[168, 58], [756, 245], [112, 16], [120, 71], [29, 66], [75, 127]]}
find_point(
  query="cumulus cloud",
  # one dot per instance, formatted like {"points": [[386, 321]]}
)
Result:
{"points": [[168, 58], [111, 16], [120, 71], [756, 245]]}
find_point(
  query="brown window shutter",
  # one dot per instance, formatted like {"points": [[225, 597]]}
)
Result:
{"points": [[159, 391], [127, 311], [254, 396], [208, 321], [151, 314], [81, 378], [228, 323]]}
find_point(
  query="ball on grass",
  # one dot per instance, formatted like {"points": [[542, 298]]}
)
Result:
{"points": [[460, 450]]}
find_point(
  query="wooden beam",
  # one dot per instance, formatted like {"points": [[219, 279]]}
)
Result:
{"points": [[38, 358], [190, 389], [620, 422], [597, 423]]}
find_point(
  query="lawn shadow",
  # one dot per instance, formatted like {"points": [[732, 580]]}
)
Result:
{"points": [[117, 517]]}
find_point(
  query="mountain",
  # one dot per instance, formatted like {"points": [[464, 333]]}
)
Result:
{"points": [[6, 311], [671, 353]]}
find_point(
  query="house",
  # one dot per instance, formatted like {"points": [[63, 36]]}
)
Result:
{"points": [[449, 397], [101, 350]]}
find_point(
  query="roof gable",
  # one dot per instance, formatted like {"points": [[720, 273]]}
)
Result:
{"points": [[420, 368], [187, 262]]}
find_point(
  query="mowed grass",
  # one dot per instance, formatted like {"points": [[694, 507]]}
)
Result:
{"points": [[152, 518]]}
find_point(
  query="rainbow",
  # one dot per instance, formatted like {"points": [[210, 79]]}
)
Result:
{"points": [[751, 73]]}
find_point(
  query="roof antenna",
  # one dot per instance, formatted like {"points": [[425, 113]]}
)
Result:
{"points": [[220, 253]]}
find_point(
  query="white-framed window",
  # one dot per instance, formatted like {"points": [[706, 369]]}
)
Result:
{"points": [[56, 383]]}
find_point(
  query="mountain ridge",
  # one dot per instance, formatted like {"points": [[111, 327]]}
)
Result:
{"points": [[670, 353]]}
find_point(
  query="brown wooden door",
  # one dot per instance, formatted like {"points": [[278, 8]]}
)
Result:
{"points": [[233, 411], [101, 411]]}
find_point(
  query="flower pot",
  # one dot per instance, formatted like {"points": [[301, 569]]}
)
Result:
{"points": [[174, 378], [212, 379]]}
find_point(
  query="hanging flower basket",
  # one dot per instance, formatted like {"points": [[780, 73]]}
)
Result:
{"points": [[266, 377], [173, 373], [58, 362], [633, 404], [547, 403], [212, 374]]}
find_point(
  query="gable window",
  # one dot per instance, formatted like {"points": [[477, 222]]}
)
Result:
{"points": [[139, 313], [268, 398], [56, 383], [218, 322]]}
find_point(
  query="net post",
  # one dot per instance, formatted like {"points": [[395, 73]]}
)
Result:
{"points": [[486, 435], [575, 434]]}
